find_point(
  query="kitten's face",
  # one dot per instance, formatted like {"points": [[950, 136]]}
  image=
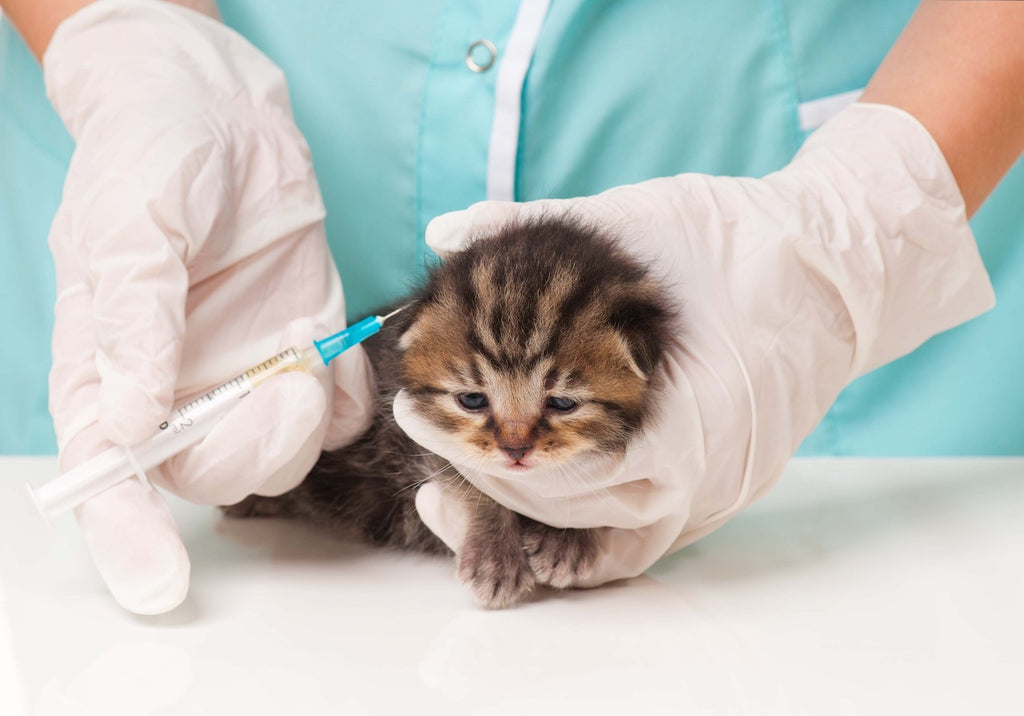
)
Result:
{"points": [[528, 409], [523, 357]]}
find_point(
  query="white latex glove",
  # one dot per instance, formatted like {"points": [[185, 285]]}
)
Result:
{"points": [[790, 287], [188, 247]]}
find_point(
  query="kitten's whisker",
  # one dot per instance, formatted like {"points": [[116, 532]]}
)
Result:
{"points": [[568, 502], [420, 482], [409, 454]]}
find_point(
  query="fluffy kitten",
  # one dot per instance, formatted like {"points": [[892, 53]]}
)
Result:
{"points": [[538, 346]]}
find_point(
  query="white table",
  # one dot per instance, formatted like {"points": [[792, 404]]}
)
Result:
{"points": [[855, 587]]}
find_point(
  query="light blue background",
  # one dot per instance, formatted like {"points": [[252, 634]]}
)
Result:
{"points": [[617, 92]]}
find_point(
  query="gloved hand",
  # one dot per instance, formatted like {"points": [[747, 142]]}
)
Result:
{"points": [[188, 246], [790, 286]]}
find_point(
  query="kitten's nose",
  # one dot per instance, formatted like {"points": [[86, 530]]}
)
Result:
{"points": [[516, 453], [515, 438]]}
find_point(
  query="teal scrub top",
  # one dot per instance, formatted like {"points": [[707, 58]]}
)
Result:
{"points": [[616, 93]]}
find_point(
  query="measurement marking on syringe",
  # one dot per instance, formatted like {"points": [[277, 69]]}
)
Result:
{"points": [[238, 387]]}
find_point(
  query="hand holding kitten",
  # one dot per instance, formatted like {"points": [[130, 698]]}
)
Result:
{"points": [[791, 286]]}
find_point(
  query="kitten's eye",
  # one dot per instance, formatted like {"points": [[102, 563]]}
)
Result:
{"points": [[472, 401], [563, 405]]}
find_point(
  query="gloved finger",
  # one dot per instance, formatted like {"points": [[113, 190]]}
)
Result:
{"points": [[74, 382], [444, 514], [132, 538], [139, 288], [455, 230], [134, 240], [354, 398], [294, 471], [266, 444]]}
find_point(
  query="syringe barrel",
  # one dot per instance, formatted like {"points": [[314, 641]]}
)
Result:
{"points": [[188, 424]]}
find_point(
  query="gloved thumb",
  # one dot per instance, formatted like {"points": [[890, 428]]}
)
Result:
{"points": [[455, 230], [445, 515]]}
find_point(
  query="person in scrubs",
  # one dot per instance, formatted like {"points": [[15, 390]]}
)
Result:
{"points": [[162, 152]]}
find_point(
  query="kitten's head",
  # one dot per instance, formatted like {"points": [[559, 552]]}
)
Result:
{"points": [[536, 346]]}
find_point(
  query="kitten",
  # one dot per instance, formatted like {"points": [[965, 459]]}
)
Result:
{"points": [[538, 346]]}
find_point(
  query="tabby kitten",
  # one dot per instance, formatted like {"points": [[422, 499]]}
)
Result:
{"points": [[536, 347]]}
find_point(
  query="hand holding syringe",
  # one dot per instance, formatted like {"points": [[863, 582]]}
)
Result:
{"points": [[189, 423]]}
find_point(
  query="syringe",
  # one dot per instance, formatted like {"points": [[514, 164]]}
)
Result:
{"points": [[189, 423]]}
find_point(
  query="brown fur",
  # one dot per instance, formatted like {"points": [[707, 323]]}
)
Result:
{"points": [[538, 316]]}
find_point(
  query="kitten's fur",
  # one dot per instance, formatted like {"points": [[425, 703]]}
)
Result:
{"points": [[562, 335]]}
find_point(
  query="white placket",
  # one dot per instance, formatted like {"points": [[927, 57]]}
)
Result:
{"points": [[508, 97]]}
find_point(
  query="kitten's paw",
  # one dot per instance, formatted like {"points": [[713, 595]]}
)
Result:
{"points": [[499, 578], [560, 558], [257, 506]]}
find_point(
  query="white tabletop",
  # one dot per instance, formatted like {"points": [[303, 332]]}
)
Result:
{"points": [[855, 587]]}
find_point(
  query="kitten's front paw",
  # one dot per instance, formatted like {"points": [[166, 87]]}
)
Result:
{"points": [[560, 558], [500, 577]]}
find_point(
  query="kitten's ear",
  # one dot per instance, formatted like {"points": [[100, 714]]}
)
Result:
{"points": [[409, 334], [628, 357], [412, 328], [643, 325], [408, 324]]}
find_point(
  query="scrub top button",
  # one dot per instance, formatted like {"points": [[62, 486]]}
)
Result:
{"points": [[481, 55]]}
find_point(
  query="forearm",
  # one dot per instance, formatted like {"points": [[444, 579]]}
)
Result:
{"points": [[958, 67], [36, 20]]}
